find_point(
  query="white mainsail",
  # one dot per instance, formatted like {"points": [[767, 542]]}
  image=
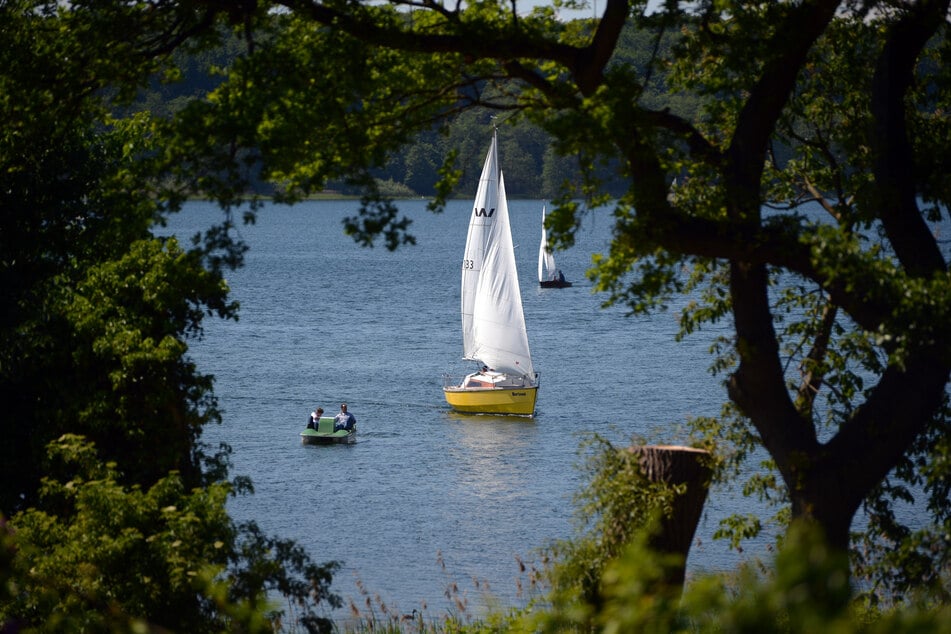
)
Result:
{"points": [[546, 261], [493, 323]]}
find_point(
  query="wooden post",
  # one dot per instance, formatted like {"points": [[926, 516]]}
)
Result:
{"points": [[677, 465]]}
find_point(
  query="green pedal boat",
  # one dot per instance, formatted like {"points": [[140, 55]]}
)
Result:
{"points": [[325, 434]]}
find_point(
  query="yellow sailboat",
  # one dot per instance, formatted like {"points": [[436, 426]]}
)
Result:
{"points": [[493, 323]]}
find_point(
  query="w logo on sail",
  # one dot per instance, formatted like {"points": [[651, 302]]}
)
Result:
{"points": [[483, 212]]}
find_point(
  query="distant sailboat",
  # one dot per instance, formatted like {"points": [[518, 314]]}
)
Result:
{"points": [[549, 276], [493, 323]]}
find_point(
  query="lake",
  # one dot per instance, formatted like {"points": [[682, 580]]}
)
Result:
{"points": [[428, 498]]}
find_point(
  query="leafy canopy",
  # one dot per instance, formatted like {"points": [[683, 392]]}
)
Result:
{"points": [[805, 185], [112, 511]]}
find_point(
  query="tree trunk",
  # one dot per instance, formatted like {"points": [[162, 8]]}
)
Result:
{"points": [[677, 465]]}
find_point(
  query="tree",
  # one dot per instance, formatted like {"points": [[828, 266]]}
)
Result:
{"points": [[827, 101], [112, 512], [96, 310], [105, 557], [819, 156], [749, 602]]}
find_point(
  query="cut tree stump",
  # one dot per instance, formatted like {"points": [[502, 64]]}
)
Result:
{"points": [[677, 465]]}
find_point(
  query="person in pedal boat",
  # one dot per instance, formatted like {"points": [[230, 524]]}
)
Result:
{"points": [[315, 418], [344, 420]]}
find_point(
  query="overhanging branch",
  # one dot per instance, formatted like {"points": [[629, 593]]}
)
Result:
{"points": [[777, 244], [757, 120], [894, 159]]}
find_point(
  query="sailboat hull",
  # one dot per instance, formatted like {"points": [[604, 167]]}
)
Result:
{"points": [[492, 400]]}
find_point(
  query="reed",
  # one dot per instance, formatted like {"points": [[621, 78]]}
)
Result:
{"points": [[370, 613]]}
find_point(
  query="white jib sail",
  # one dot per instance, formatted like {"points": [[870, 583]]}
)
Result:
{"points": [[498, 323], [546, 261]]}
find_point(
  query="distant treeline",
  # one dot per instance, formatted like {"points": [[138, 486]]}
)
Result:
{"points": [[532, 167]]}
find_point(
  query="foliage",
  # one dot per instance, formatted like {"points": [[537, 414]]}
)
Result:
{"points": [[616, 506], [95, 328], [839, 360], [104, 557], [817, 173], [129, 531], [96, 310], [840, 357], [534, 168], [804, 589]]}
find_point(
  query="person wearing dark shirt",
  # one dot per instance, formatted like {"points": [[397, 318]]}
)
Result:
{"points": [[344, 420], [315, 418]]}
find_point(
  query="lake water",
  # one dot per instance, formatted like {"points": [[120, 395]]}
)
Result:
{"points": [[426, 497]]}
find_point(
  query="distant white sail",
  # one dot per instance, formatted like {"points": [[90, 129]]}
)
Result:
{"points": [[546, 260]]}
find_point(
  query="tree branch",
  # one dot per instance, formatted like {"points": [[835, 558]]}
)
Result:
{"points": [[777, 244], [768, 97], [589, 64], [490, 42], [586, 64], [758, 386], [894, 165], [812, 378], [699, 146], [873, 440]]}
